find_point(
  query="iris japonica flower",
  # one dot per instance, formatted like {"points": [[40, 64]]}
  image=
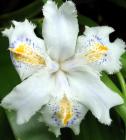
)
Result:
{"points": [[61, 73]]}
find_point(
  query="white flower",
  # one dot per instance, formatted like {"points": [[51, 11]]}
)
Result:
{"points": [[60, 74]]}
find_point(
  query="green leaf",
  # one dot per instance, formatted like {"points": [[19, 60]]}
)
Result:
{"points": [[123, 60], [105, 78], [33, 130], [29, 11], [58, 2], [4, 125], [83, 20], [121, 3], [121, 109], [44, 1], [91, 129], [9, 77], [38, 23]]}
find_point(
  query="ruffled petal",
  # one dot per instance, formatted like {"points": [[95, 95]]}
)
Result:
{"points": [[60, 29], [95, 49], [26, 49], [63, 110], [94, 95], [29, 96], [63, 113]]}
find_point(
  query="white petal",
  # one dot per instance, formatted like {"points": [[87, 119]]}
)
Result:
{"points": [[99, 31], [60, 29], [63, 110], [62, 85], [113, 63], [63, 113], [78, 64], [29, 96], [94, 95], [95, 47], [22, 35]]}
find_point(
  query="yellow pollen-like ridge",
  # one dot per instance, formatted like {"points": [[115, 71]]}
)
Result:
{"points": [[65, 113], [25, 54], [96, 52]]}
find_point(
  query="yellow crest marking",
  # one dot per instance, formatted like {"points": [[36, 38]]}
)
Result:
{"points": [[26, 54], [65, 114], [96, 52]]}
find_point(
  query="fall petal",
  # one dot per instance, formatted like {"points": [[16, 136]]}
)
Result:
{"points": [[95, 48], [26, 49], [29, 96], [94, 95]]}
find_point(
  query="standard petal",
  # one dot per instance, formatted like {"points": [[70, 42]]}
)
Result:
{"points": [[27, 50], [94, 95], [96, 49], [60, 29], [29, 96]]}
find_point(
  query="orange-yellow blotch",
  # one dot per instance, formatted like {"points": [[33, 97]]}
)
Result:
{"points": [[22, 48], [65, 114], [96, 52], [26, 54]]}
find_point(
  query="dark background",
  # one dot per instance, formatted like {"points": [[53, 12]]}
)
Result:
{"points": [[104, 12]]}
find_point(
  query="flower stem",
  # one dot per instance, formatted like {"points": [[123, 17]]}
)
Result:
{"points": [[122, 82], [125, 131]]}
